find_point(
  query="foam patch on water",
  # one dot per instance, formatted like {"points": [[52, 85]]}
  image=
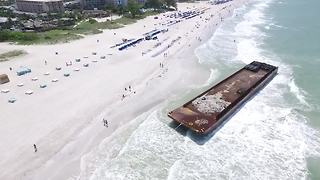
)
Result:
{"points": [[214, 73], [267, 139], [248, 48], [264, 140]]}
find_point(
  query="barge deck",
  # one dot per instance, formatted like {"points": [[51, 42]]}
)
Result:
{"points": [[208, 110]]}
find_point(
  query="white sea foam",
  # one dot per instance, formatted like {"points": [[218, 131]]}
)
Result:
{"points": [[298, 92], [266, 139], [263, 140], [214, 73]]}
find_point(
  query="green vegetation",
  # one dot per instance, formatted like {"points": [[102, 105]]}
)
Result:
{"points": [[49, 37], [94, 27], [6, 12], [6, 2], [161, 4], [134, 8], [53, 36], [69, 33], [6, 56]]}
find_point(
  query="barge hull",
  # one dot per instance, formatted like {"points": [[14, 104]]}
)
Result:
{"points": [[214, 106]]}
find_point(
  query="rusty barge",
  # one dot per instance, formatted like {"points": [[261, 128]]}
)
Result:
{"points": [[211, 108]]}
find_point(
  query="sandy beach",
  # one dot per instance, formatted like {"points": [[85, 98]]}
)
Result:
{"points": [[65, 119]]}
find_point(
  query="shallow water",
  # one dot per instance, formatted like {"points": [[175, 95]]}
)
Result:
{"points": [[274, 136]]}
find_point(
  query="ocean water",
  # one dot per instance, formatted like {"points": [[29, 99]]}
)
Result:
{"points": [[276, 135]]}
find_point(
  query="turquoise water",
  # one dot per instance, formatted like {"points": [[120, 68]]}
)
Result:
{"points": [[274, 136], [287, 34], [296, 41]]}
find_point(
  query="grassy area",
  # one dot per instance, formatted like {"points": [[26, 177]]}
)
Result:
{"points": [[125, 20], [48, 37], [70, 33], [6, 56], [52, 37], [87, 27]]}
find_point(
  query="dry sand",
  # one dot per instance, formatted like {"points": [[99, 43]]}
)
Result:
{"points": [[65, 119]]}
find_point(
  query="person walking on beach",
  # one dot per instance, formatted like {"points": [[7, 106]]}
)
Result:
{"points": [[45, 62], [35, 148], [105, 122]]}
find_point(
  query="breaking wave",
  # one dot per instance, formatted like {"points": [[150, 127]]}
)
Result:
{"points": [[267, 139]]}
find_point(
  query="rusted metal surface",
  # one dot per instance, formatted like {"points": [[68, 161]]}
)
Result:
{"points": [[206, 111]]}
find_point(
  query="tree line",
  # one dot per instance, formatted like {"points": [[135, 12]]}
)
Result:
{"points": [[134, 8]]}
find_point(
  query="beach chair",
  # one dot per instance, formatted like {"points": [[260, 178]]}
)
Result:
{"points": [[54, 80], [66, 74], [58, 68], [34, 79], [5, 90], [20, 84], [29, 92], [43, 86], [12, 100]]}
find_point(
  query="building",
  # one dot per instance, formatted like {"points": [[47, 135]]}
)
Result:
{"points": [[40, 6]]}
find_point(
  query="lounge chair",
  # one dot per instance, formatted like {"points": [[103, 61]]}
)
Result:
{"points": [[20, 84], [5, 90], [43, 86], [29, 92], [12, 100], [54, 80], [34, 79]]}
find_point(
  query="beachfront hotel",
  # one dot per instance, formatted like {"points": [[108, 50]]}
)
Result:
{"points": [[40, 6]]}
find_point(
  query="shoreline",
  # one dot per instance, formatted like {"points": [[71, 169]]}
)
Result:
{"points": [[77, 127]]}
